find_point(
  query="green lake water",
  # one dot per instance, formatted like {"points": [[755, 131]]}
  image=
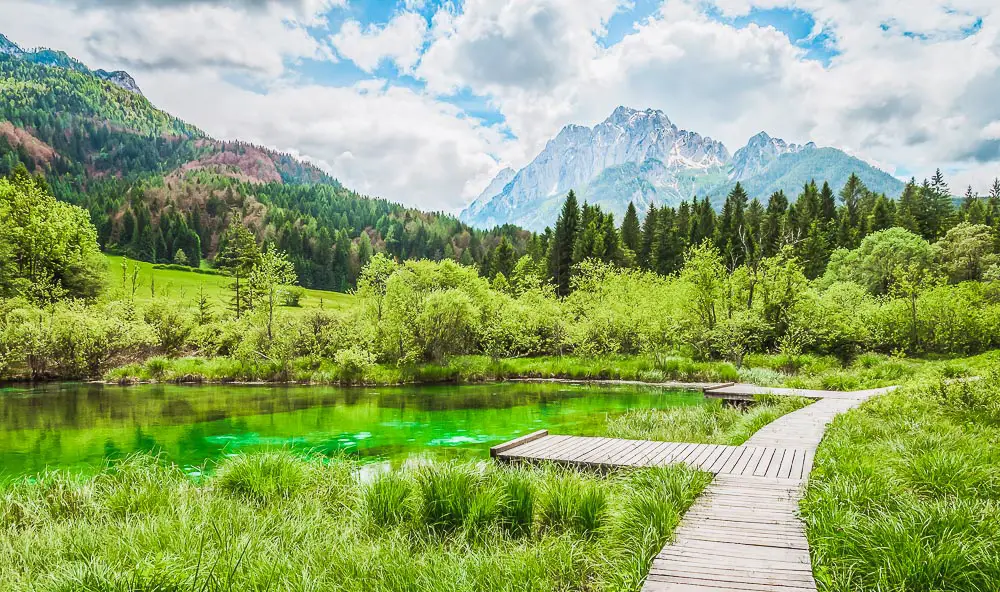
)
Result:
{"points": [[81, 426]]}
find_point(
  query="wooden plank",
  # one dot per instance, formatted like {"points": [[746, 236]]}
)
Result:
{"points": [[494, 451], [748, 466], [528, 449]]}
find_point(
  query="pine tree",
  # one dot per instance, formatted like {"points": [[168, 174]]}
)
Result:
{"points": [[669, 254], [814, 251], [849, 228], [648, 249], [732, 225], [807, 206], [563, 241], [827, 204], [940, 210], [704, 228], [239, 255], [771, 227], [908, 210], [503, 259], [993, 204], [881, 216], [631, 233]]}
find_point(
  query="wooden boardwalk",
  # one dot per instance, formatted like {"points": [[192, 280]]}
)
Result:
{"points": [[743, 532], [747, 392]]}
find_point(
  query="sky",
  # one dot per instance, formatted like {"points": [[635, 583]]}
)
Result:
{"points": [[424, 101]]}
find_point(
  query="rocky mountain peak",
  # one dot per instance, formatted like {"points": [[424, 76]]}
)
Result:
{"points": [[120, 78], [8, 47], [759, 152]]}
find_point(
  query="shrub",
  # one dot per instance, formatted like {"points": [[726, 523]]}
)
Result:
{"points": [[387, 499], [261, 478], [447, 494], [571, 503]]}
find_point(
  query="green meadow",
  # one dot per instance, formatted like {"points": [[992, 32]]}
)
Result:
{"points": [[185, 286]]}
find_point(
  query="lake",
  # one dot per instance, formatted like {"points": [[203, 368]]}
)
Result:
{"points": [[81, 426]]}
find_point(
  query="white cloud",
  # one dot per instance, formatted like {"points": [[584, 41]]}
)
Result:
{"points": [[400, 41], [215, 36], [377, 139]]}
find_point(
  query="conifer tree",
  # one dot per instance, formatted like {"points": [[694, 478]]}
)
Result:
{"points": [[631, 233], [731, 224], [807, 206], [705, 227], [908, 208], [669, 254], [239, 255], [647, 248], [563, 242], [849, 226], [882, 216], [771, 227], [827, 204], [814, 251], [503, 259]]}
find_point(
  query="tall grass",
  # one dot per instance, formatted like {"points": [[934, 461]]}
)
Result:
{"points": [[459, 369], [906, 492], [273, 521], [710, 423]]}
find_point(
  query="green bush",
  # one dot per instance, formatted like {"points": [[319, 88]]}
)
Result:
{"points": [[261, 478], [387, 499]]}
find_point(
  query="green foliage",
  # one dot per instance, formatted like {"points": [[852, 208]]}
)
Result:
{"points": [[967, 251], [874, 264], [904, 492], [48, 249]]}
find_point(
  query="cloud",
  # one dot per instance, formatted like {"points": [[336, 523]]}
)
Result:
{"points": [[530, 45], [256, 37], [400, 40]]}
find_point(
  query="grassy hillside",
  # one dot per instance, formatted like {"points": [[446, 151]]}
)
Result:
{"points": [[184, 286]]}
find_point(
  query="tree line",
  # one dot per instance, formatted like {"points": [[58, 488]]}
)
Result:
{"points": [[814, 226]]}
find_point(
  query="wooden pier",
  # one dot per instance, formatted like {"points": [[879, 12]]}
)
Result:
{"points": [[743, 532]]}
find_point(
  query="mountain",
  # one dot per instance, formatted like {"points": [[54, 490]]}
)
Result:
{"points": [[9, 47], [156, 185], [49, 57], [643, 157], [754, 158]]}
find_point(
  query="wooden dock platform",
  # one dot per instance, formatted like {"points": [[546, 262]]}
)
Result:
{"points": [[743, 532], [608, 453]]}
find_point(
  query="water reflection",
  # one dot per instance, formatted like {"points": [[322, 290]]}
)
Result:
{"points": [[79, 426]]}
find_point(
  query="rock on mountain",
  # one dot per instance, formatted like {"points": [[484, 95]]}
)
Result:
{"points": [[579, 155], [8, 47], [642, 157], [495, 187], [754, 158], [120, 78]]}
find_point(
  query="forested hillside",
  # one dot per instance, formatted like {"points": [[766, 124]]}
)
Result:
{"points": [[157, 187]]}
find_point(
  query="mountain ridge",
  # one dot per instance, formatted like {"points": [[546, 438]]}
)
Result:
{"points": [[641, 156], [156, 186]]}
